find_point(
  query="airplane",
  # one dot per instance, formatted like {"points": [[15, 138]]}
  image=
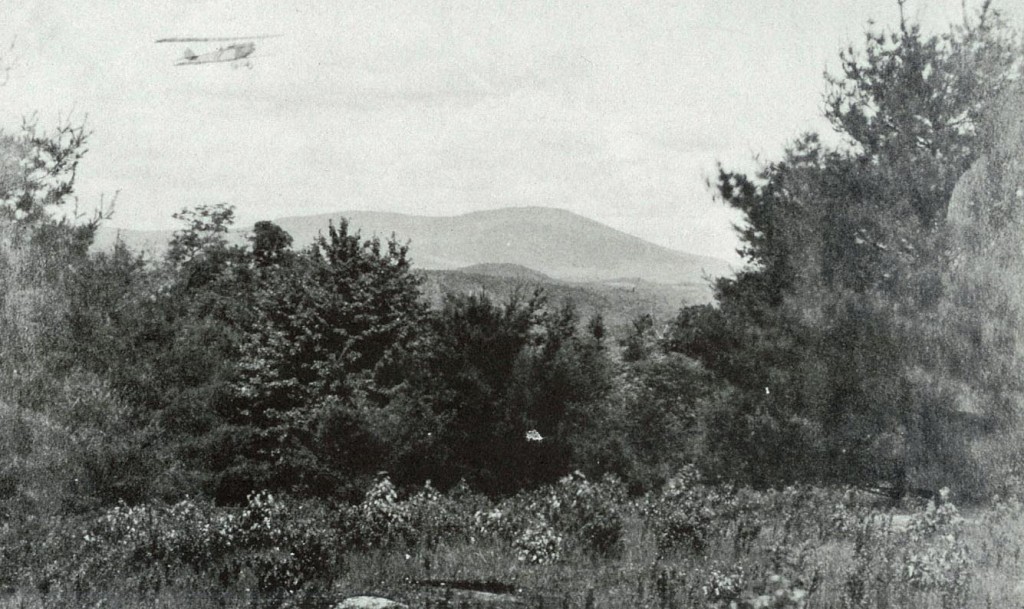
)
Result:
{"points": [[236, 53]]}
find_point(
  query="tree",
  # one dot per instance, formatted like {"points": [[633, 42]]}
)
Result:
{"points": [[503, 380], [271, 244], [320, 357], [39, 248], [647, 424], [829, 330], [640, 341], [79, 445]]}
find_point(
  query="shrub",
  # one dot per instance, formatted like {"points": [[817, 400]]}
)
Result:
{"points": [[380, 519], [723, 586], [283, 547], [683, 514], [587, 512], [434, 516], [775, 592], [539, 544]]}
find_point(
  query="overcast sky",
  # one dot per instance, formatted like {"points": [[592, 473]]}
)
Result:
{"points": [[614, 110]]}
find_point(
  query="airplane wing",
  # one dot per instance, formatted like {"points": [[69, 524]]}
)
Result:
{"points": [[219, 39]]}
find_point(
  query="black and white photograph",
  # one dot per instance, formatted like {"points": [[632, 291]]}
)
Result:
{"points": [[537, 304]]}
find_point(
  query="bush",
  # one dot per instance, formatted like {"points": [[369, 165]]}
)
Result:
{"points": [[437, 517], [283, 548], [427, 517], [585, 515], [380, 520], [539, 544]]}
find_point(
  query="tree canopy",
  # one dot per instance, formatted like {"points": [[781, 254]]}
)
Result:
{"points": [[838, 328]]}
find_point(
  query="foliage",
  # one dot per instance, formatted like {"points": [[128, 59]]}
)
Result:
{"points": [[586, 512], [422, 519], [381, 519], [203, 235], [283, 547], [77, 444], [323, 349], [37, 171], [291, 551], [538, 544], [572, 515], [640, 341], [167, 335], [502, 380], [837, 334], [270, 243], [776, 592], [649, 424]]}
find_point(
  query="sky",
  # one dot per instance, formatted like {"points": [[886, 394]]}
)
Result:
{"points": [[618, 111]]}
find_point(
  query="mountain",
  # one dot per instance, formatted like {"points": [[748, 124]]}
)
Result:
{"points": [[552, 242]]}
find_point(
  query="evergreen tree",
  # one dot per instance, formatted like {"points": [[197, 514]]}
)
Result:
{"points": [[321, 357], [829, 331]]}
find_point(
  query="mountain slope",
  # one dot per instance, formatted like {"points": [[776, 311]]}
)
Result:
{"points": [[618, 302], [553, 242]]}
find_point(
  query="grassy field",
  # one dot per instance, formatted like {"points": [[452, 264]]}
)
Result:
{"points": [[579, 543]]}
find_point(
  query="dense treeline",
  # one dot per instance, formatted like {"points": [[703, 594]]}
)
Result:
{"points": [[870, 339], [221, 370], [861, 341]]}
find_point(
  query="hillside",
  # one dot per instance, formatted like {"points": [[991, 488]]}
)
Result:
{"points": [[619, 302], [552, 242], [505, 270]]}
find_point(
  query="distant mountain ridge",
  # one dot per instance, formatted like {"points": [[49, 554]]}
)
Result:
{"points": [[549, 241]]}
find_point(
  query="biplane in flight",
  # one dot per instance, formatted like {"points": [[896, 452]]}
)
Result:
{"points": [[236, 53]]}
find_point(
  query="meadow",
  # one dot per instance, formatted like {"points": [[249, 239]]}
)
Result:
{"points": [[576, 543]]}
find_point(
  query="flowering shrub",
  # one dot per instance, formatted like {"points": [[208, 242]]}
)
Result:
{"points": [[936, 517], [587, 512], [281, 547], [380, 519], [495, 523], [723, 586], [434, 516], [285, 551], [586, 515], [688, 515], [922, 552], [775, 592], [286, 546], [935, 555], [684, 513], [383, 519], [539, 544], [942, 564], [685, 526]]}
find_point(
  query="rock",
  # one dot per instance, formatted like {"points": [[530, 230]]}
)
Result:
{"points": [[369, 602], [476, 593], [994, 181], [489, 599]]}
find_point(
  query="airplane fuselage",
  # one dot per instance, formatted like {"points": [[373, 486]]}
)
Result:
{"points": [[233, 52]]}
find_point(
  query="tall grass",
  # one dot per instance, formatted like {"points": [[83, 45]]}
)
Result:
{"points": [[799, 547]]}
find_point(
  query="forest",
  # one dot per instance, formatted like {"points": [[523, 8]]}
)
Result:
{"points": [[269, 425]]}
